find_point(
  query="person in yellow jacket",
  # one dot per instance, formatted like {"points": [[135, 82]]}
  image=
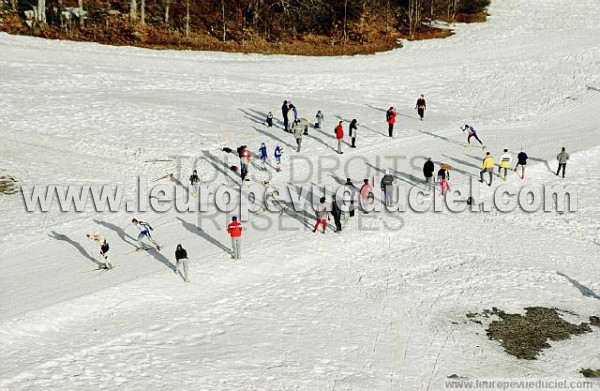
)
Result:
{"points": [[488, 166], [505, 162]]}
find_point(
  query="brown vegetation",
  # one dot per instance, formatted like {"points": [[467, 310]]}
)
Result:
{"points": [[306, 27]]}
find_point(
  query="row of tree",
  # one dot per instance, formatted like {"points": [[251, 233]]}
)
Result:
{"points": [[272, 20]]}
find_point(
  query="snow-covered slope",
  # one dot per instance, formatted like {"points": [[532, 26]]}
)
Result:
{"points": [[371, 308]]}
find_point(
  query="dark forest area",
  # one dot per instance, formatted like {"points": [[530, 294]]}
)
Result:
{"points": [[308, 27]]}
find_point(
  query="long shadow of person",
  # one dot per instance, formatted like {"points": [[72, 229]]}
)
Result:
{"points": [[585, 291], [253, 117], [274, 137], [199, 231], [119, 231], [78, 246], [546, 162], [260, 114], [440, 137], [129, 239]]}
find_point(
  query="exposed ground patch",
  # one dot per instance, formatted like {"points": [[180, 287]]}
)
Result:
{"points": [[8, 185], [590, 372], [525, 336]]}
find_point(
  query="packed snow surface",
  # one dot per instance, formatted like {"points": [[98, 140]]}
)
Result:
{"points": [[371, 308]]}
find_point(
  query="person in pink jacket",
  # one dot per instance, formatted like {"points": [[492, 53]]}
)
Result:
{"points": [[366, 191]]}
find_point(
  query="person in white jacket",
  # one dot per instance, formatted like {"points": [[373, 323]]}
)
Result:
{"points": [[505, 162], [101, 241]]}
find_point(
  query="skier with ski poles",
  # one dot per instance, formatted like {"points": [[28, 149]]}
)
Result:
{"points": [[505, 162], [421, 106], [101, 241], [472, 132], [487, 165], [234, 229], [144, 229], [181, 259], [521, 161]]}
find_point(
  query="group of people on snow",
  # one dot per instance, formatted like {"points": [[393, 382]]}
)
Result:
{"points": [[324, 211]]}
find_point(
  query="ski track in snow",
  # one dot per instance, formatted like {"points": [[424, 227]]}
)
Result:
{"points": [[365, 310]]}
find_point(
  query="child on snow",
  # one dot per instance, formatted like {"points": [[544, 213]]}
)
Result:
{"points": [[320, 118], [263, 155], [270, 119]]}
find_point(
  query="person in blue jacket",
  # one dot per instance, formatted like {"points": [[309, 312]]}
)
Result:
{"points": [[263, 154]]}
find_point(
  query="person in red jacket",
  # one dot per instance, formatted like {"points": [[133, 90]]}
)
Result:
{"points": [[235, 231], [390, 117], [339, 135]]}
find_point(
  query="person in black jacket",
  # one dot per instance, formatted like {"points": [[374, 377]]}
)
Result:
{"points": [[428, 169], [521, 161], [181, 258], [421, 106], [353, 190], [337, 214], [284, 112], [352, 132]]}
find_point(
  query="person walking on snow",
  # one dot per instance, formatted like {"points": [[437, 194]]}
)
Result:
{"points": [[181, 259], [472, 132], [298, 131], [421, 106], [270, 119], [234, 229], [277, 154], [521, 161], [144, 229], [263, 155], [336, 212], [284, 113], [339, 135], [428, 169], [194, 181], [443, 175], [505, 162], [320, 118], [562, 158], [322, 215], [390, 117], [353, 128], [353, 190], [366, 191], [487, 165], [294, 110], [101, 241], [387, 184]]}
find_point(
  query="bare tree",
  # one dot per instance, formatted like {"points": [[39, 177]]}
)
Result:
{"points": [[187, 18], [81, 18], [143, 12], [41, 11], [133, 10], [345, 18], [223, 14]]}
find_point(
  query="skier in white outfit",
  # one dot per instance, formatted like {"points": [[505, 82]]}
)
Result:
{"points": [[145, 229]]}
